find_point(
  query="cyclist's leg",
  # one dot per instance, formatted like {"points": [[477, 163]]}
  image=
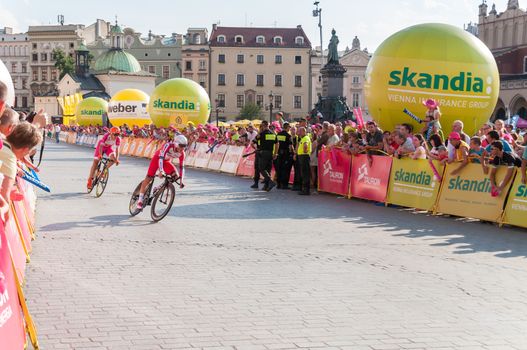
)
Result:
{"points": [[151, 173], [92, 170], [169, 168], [111, 156]]}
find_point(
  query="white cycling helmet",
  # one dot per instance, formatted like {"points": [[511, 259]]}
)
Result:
{"points": [[180, 140]]}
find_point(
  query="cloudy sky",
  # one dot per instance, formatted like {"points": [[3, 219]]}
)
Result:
{"points": [[372, 21]]}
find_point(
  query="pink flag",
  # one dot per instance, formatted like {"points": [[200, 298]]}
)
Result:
{"points": [[357, 112]]}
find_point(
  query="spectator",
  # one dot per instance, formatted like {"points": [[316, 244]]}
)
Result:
{"points": [[457, 126], [420, 152], [504, 135], [333, 139], [493, 136], [302, 156], [460, 151], [57, 133], [500, 158], [476, 152], [405, 145], [373, 138]]}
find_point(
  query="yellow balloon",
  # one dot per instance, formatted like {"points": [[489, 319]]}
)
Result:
{"points": [[437, 61], [129, 106], [91, 111], [175, 102]]}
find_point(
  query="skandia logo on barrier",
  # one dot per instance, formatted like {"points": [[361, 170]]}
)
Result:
{"points": [[184, 105], [364, 176], [460, 184], [522, 191], [463, 81], [421, 178], [335, 176]]}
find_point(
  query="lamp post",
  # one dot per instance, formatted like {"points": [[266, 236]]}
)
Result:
{"points": [[216, 101], [271, 97], [317, 12]]}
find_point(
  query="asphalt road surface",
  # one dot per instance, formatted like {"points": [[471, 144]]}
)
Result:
{"points": [[233, 268]]}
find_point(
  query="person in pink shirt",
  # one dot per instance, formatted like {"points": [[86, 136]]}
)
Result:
{"points": [[105, 147]]}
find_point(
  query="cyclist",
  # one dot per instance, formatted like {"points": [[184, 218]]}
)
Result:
{"points": [[162, 161], [105, 146]]}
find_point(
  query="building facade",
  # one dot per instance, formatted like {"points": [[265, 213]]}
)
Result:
{"points": [[259, 66], [14, 52], [355, 60], [195, 56], [156, 54]]}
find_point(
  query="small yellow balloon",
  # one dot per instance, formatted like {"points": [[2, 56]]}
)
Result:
{"points": [[175, 102], [91, 111], [129, 106]]}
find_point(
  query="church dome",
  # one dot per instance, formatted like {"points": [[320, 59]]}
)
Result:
{"points": [[117, 60]]}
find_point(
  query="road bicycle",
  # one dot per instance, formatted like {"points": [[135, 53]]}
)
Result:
{"points": [[100, 178], [160, 198]]}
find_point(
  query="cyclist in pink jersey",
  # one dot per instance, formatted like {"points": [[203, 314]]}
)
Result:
{"points": [[105, 147], [162, 161]]}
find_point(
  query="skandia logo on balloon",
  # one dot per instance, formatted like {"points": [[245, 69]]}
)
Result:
{"points": [[182, 104]]}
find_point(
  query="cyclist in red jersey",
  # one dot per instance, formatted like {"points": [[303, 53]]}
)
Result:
{"points": [[105, 147], [162, 161]]}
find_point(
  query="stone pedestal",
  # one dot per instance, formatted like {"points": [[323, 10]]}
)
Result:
{"points": [[331, 103], [332, 80]]}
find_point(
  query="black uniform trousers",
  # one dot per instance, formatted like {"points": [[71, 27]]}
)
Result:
{"points": [[305, 171], [284, 163], [256, 176], [265, 164]]}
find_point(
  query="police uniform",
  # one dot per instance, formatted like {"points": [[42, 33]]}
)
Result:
{"points": [[297, 182], [304, 159], [267, 141], [284, 160], [256, 176]]}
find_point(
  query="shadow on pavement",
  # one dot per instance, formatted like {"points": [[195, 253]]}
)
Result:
{"points": [[96, 222]]}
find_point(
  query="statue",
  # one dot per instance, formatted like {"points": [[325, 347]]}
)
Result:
{"points": [[356, 43], [333, 53]]}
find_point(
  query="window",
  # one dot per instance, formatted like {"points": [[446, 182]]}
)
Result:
{"points": [[260, 59], [24, 101], [166, 72], [53, 74], [278, 80], [34, 46], [356, 80], [44, 74], [278, 59], [240, 58], [259, 100], [240, 101], [221, 58], [24, 67], [221, 38], [35, 75], [355, 100], [188, 65], [13, 67], [44, 57], [240, 80], [298, 80], [297, 102], [259, 80], [202, 78], [298, 59], [238, 39], [221, 100], [34, 57], [299, 40], [277, 39], [188, 76], [72, 45], [277, 101], [24, 84], [525, 64], [202, 65], [221, 79], [152, 69], [260, 39]]}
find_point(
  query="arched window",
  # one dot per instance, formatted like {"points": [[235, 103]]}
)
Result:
{"points": [[260, 39], [299, 40], [221, 38], [277, 39], [238, 39]]}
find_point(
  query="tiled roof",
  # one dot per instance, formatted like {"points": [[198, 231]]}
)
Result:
{"points": [[88, 82], [250, 34]]}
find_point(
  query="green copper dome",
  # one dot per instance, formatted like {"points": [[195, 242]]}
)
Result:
{"points": [[117, 60]]}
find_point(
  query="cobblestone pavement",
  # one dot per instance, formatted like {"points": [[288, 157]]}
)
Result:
{"points": [[231, 268]]}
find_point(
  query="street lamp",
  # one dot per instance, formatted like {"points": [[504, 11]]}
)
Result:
{"points": [[271, 97], [317, 12], [216, 101]]}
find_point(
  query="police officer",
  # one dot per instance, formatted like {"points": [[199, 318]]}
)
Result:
{"points": [[303, 157], [255, 144], [284, 157], [268, 142]]}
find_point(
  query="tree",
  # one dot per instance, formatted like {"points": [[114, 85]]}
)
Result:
{"points": [[64, 63], [250, 111]]}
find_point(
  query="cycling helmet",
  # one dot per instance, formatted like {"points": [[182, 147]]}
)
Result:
{"points": [[115, 130], [181, 140]]}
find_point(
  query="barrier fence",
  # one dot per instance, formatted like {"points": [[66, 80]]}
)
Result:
{"points": [[16, 235], [419, 184]]}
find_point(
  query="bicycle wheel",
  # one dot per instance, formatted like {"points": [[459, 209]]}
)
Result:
{"points": [[132, 207], [102, 181], [162, 203]]}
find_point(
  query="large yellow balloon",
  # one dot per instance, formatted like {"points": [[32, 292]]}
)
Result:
{"points": [[91, 111], [436, 61], [129, 106], [5, 78], [179, 101]]}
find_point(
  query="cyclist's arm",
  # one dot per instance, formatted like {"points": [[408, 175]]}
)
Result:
{"points": [[181, 166], [162, 155]]}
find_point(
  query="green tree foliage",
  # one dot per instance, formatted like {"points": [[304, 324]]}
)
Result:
{"points": [[250, 111], [64, 63]]}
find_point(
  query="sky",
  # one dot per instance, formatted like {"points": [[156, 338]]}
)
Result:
{"points": [[372, 21]]}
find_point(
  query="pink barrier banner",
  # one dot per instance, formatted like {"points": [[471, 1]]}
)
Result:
{"points": [[12, 330], [216, 157], [232, 159], [246, 166], [202, 157], [16, 246], [370, 182], [334, 168]]}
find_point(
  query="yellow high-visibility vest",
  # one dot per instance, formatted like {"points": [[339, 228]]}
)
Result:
{"points": [[305, 140]]}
